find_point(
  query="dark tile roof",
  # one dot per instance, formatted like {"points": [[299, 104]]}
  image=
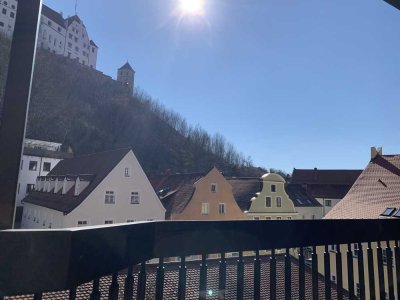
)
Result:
{"points": [[93, 43], [69, 20], [315, 176], [171, 277], [244, 189], [300, 197], [53, 15], [126, 66], [46, 153], [333, 191], [98, 165], [377, 188], [175, 190]]}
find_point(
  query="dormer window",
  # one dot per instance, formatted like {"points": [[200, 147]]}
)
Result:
{"points": [[127, 172], [213, 188]]}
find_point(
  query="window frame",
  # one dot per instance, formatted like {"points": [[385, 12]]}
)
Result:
{"points": [[221, 211], [109, 194], [278, 201], [268, 198], [205, 208], [135, 195]]}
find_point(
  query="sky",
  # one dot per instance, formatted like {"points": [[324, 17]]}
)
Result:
{"points": [[292, 84]]}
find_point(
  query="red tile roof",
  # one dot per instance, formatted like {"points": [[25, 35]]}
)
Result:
{"points": [[192, 283], [377, 188]]}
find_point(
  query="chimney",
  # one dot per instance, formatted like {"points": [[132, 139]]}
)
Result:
{"points": [[375, 151]]}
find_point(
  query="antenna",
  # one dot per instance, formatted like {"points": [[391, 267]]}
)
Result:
{"points": [[76, 7]]}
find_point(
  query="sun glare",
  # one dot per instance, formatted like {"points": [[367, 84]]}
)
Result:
{"points": [[192, 7]]}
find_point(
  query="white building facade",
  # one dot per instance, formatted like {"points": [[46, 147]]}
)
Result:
{"points": [[8, 11], [120, 194], [38, 159], [60, 36]]}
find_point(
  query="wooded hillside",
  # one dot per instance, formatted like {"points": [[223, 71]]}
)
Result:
{"points": [[90, 112]]}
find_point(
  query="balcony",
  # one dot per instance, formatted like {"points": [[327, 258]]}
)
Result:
{"points": [[110, 261]]}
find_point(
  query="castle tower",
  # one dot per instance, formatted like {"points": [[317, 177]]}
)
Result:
{"points": [[126, 75]]}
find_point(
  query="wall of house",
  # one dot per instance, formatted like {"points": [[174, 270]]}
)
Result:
{"points": [[258, 208], [95, 211], [27, 176], [327, 208], [51, 36], [8, 11], [309, 212], [204, 194], [38, 217], [77, 43]]}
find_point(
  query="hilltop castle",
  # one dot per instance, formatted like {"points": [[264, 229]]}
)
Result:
{"points": [[61, 36]]}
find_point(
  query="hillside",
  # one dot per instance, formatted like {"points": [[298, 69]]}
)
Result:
{"points": [[90, 112]]}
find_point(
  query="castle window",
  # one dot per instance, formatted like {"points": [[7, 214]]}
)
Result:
{"points": [[278, 202], [1, 24], [46, 166], [221, 208], [109, 197], [32, 165], [135, 198], [49, 23], [4, 11], [268, 202], [205, 208], [12, 15]]}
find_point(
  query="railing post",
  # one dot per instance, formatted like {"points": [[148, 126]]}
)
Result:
{"points": [[272, 276], [72, 294], [37, 296], [240, 277], [397, 261], [95, 295], [141, 288], [361, 277], [203, 278], [128, 289], [257, 276], [114, 288], [380, 271], [339, 273], [302, 281], [15, 105], [327, 273], [160, 280], [371, 274], [288, 275], [389, 267], [182, 279], [314, 269], [222, 277], [350, 272]]}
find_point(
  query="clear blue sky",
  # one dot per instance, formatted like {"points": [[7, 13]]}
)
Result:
{"points": [[299, 84]]}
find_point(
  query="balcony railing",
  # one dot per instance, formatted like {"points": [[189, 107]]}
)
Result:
{"points": [[110, 261]]}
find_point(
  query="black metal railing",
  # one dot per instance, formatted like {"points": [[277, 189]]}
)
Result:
{"points": [[110, 261]]}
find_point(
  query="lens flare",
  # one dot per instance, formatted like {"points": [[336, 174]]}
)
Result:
{"points": [[191, 7]]}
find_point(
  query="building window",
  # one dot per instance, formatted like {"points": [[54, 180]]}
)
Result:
{"points": [[273, 188], [59, 29], [110, 197], [70, 35], [205, 208], [256, 218], [30, 188], [82, 223], [279, 218], [289, 218], [355, 249], [46, 166], [76, 39], [313, 217], [214, 188], [49, 23], [130, 221], [22, 164], [4, 11], [278, 202], [328, 203], [127, 173], [135, 198], [267, 218], [108, 222], [221, 208], [1, 24], [12, 15], [77, 49], [70, 46], [267, 201], [33, 165]]}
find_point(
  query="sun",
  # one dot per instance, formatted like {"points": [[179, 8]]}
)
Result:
{"points": [[191, 7]]}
